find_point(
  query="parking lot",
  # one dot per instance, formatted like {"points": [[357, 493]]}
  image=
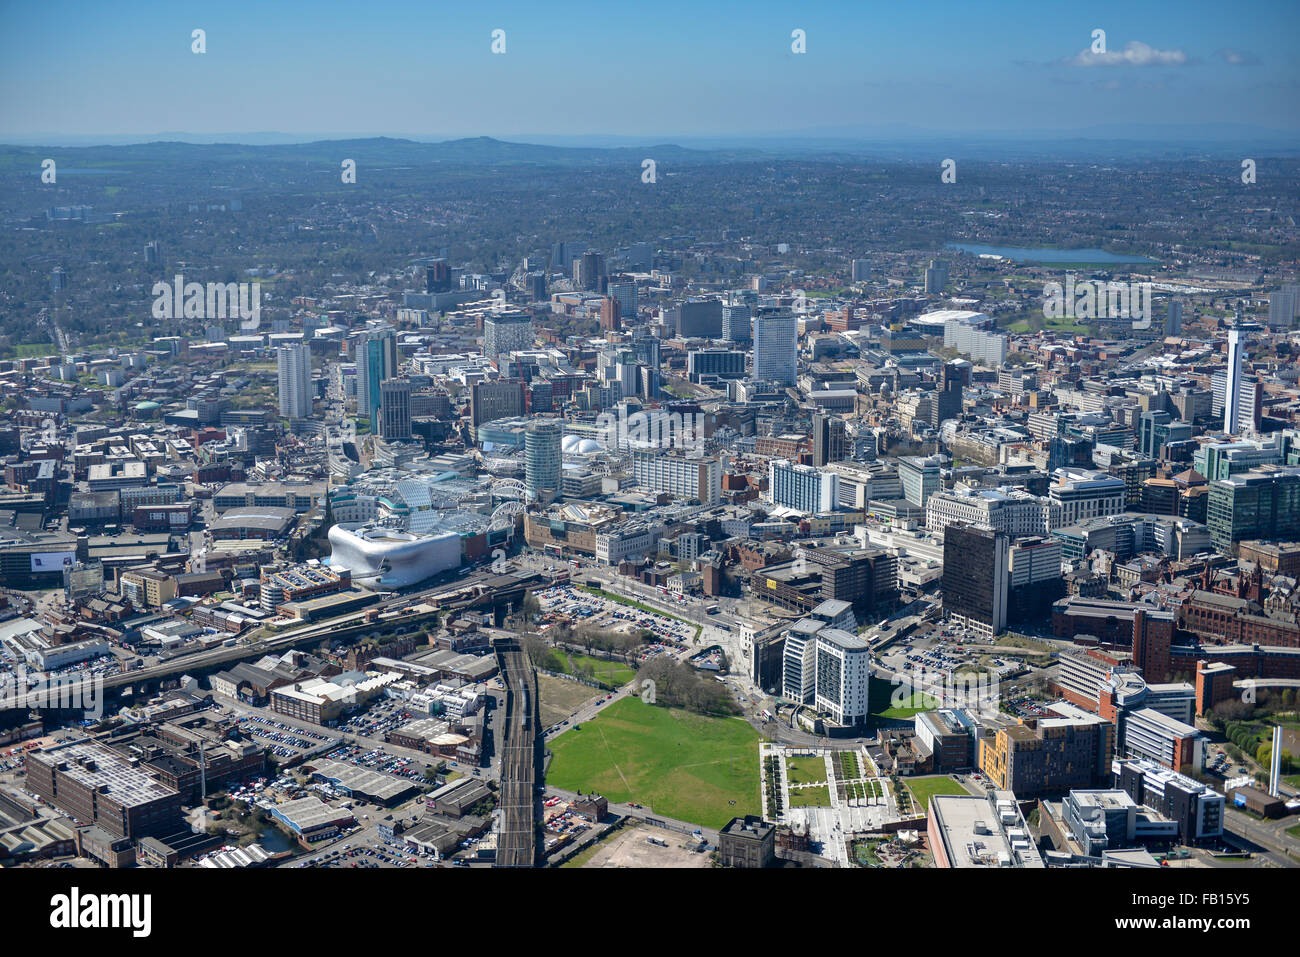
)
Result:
{"points": [[1218, 763], [378, 759], [13, 759], [284, 741], [945, 649], [564, 603], [368, 849], [329, 742], [383, 716], [1024, 708], [562, 824], [357, 845]]}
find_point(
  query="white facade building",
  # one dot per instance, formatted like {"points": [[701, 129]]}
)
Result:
{"points": [[776, 345], [843, 676], [986, 348], [1015, 513], [293, 362], [799, 662], [683, 477], [382, 558], [802, 487], [1233, 420], [1083, 494]]}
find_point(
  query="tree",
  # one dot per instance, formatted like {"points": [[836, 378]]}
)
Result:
{"points": [[1264, 757], [529, 606]]}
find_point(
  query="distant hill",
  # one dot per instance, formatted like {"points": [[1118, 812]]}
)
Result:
{"points": [[478, 151], [896, 142]]}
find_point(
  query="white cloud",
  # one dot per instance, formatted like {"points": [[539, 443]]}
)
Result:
{"points": [[1135, 53], [1238, 57]]}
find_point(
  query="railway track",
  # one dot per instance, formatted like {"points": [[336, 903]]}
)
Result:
{"points": [[517, 834]]}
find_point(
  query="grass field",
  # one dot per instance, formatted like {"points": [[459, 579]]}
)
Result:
{"points": [[882, 704], [924, 788], [559, 698], [615, 674], [805, 770], [810, 797], [1009, 640], [1057, 325], [682, 765], [910, 707]]}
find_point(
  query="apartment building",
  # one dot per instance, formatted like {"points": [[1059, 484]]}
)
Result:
{"points": [[683, 476]]}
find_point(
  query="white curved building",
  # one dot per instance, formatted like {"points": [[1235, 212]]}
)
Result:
{"points": [[580, 445], [381, 558]]}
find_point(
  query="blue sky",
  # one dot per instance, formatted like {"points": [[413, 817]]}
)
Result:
{"points": [[630, 69]]}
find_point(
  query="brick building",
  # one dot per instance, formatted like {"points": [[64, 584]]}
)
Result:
{"points": [[747, 841], [94, 784]]}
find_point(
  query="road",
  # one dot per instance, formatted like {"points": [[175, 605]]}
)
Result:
{"points": [[241, 708], [1266, 838], [589, 711], [222, 654], [643, 814]]}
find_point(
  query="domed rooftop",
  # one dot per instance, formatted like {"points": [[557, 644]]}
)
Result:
{"points": [[577, 445]]}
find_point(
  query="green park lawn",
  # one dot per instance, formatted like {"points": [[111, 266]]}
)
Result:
{"points": [[679, 764], [810, 797], [805, 770], [614, 674], [883, 706], [926, 787]]}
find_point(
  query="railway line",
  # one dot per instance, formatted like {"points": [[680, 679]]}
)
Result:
{"points": [[517, 834], [445, 597]]}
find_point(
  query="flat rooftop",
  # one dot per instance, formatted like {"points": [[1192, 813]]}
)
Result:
{"points": [[97, 766], [974, 834], [385, 787], [1109, 800], [309, 812]]}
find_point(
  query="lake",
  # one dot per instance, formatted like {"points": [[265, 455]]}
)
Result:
{"points": [[1047, 255]]}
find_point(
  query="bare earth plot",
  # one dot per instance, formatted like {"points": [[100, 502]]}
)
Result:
{"points": [[631, 849], [559, 698]]}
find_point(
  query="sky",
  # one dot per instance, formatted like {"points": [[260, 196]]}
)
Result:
{"points": [[687, 69]]}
